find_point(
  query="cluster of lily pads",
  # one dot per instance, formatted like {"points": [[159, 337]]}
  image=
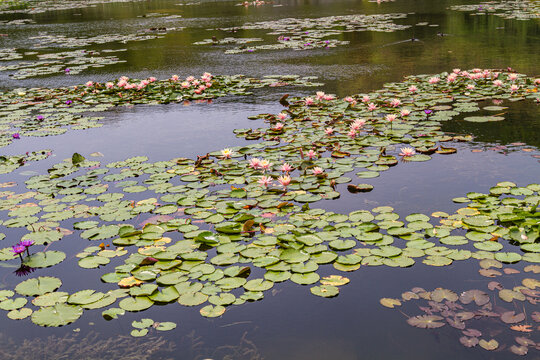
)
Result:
{"points": [[311, 33], [72, 62], [222, 229], [10, 163], [507, 9], [443, 307], [61, 41], [46, 112], [41, 6]]}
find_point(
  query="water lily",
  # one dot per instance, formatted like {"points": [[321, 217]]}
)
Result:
{"points": [[365, 99], [434, 80], [67, 70], [18, 249], [254, 163], [284, 180], [407, 151], [39, 117], [329, 131], [395, 102], [16, 136], [405, 112], [69, 102], [109, 85], [282, 116], [265, 164], [348, 99], [286, 168], [174, 78], [226, 153], [372, 107], [498, 83], [514, 88], [317, 171], [309, 101], [512, 77], [471, 87], [413, 89], [357, 124], [27, 244], [428, 111], [391, 117], [278, 127], [352, 133], [320, 95], [311, 154], [185, 84], [265, 181]]}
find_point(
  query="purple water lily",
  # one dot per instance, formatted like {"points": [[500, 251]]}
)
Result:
{"points": [[18, 249], [16, 136], [39, 117], [67, 70], [69, 102], [427, 111], [27, 244]]}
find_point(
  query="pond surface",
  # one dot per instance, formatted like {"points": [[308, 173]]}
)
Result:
{"points": [[289, 323]]}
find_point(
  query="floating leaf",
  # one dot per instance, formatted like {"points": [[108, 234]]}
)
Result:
{"points": [[426, 321], [57, 315]]}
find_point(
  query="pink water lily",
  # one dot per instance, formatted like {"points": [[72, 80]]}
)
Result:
{"points": [[357, 124], [405, 112], [372, 107], [174, 78], [498, 83], [317, 171], [391, 117], [395, 102], [254, 163], [282, 116], [284, 180], [514, 88], [329, 131], [512, 77], [278, 127], [365, 98], [434, 80], [265, 164], [352, 133], [320, 95], [311, 154], [286, 168], [348, 99], [407, 151], [413, 89], [471, 87], [265, 181], [309, 101]]}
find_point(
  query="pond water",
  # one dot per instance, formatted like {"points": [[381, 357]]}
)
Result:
{"points": [[290, 322]]}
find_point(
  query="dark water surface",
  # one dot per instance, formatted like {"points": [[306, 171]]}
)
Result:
{"points": [[289, 323]]}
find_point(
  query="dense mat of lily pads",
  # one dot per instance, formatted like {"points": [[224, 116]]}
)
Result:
{"points": [[222, 229], [41, 6], [507, 9], [478, 315], [308, 33], [46, 112]]}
